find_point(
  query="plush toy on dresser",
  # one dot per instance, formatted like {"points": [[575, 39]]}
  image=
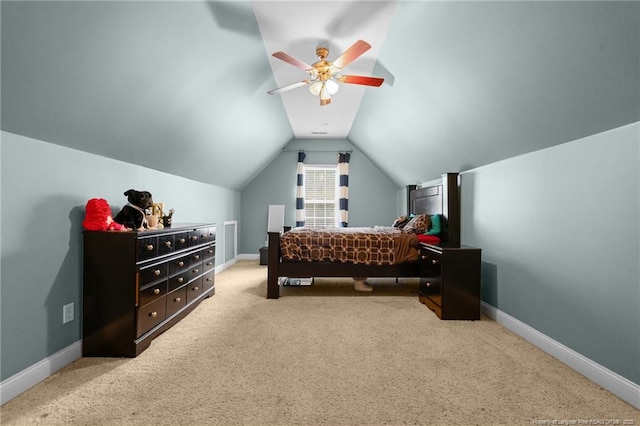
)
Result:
{"points": [[98, 216], [133, 215]]}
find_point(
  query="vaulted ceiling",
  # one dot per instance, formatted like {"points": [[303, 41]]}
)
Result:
{"points": [[181, 86]]}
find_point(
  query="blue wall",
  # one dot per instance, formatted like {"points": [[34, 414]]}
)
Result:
{"points": [[559, 232], [558, 228], [44, 190], [372, 195]]}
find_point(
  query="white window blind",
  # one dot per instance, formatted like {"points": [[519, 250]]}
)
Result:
{"points": [[320, 202]]}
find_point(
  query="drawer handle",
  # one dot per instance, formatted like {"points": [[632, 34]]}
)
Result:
{"points": [[203, 236], [195, 288], [434, 261], [428, 284], [182, 241], [181, 263], [177, 299], [153, 314], [180, 279], [209, 263], [195, 271], [196, 257], [194, 238], [156, 291], [210, 252], [209, 279], [156, 272], [149, 247], [168, 244]]}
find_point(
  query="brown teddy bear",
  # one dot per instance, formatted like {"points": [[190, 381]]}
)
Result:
{"points": [[98, 216]]}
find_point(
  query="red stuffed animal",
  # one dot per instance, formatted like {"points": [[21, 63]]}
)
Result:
{"points": [[98, 216]]}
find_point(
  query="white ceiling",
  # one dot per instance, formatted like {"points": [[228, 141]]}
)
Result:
{"points": [[181, 86], [285, 26]]}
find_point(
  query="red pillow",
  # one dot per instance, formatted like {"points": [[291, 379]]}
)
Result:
{"points": [[429, 239]]}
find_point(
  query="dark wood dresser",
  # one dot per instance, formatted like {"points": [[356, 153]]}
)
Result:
{"points": [[450, 283], [137, 285]]}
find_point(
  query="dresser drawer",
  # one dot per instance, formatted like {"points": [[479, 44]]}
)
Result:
{"points": [[178, 280], [152, 292], [211, 238], [181, 241], [147, 248], [193, 238], [431, 262], [208, 264], [152, 273], [150, 315], [179, 265], [195, 271], [203, 234], [430, 286], [165, 244], [195, 258], [194, 289], [209, 252], [208, 281], [176, 300]]}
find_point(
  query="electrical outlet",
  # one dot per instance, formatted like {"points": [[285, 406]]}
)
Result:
{"points": [[67, 313]]}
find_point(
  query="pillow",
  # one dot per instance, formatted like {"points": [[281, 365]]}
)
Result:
{"points": [[418, 224], [400, 222], [429, 239], [435, 228]]}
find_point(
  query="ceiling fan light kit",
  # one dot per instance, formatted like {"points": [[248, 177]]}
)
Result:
{"points": [[324, 74]]}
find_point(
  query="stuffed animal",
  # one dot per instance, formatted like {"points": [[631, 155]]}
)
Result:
{"points": [[133, 215], [400, 222], [98, 216]]}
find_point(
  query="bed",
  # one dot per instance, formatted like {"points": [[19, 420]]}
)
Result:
{"points": [[441, 198]]}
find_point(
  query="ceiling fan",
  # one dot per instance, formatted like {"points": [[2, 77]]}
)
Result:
{"points": [[324, 78]]}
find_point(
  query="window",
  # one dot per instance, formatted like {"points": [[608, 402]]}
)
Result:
{"points": [[320, 202]]}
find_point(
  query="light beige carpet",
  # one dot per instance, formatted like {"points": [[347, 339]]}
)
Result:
{"points": [[320, 355]]}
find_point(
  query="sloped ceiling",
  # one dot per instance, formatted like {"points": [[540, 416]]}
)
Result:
{"points": [[181, 86], [284, 26]]}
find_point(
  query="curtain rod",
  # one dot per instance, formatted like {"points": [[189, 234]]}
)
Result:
{"points": [[285, 149]]}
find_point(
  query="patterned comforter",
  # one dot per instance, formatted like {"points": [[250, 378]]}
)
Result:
{"points": [[369, 246]]}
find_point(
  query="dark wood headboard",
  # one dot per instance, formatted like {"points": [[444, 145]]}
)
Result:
{"points": [[443, 199]]}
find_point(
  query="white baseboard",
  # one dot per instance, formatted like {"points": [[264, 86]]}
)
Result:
{"points": [[226, 265], [616, 384], [249, 257], [31, 376]]}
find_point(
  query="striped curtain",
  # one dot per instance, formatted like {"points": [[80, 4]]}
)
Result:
{"points": [[300, 190], [343, 194]]}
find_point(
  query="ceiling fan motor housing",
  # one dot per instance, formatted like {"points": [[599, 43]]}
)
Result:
{"points": [[322, 52]]}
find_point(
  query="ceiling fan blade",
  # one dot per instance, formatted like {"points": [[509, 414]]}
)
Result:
{"points": [[293, 61], [289, 87], [352, 53], [361, 79]]}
